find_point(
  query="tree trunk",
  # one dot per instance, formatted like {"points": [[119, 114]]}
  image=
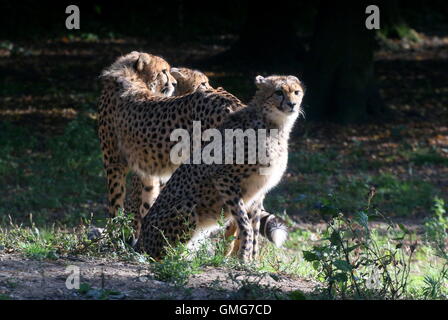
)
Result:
{"points": [[268, 37], [339, 71], [267, 34]]}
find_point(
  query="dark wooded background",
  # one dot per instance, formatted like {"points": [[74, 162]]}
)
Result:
{"points": [[326, 42]]}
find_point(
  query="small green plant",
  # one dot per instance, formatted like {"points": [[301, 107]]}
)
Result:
{"points": [[115, 239], [38, 251], [353, 262], [399, 30], [89, 37], [436, 227], [435, 285], [87, 291], [436, 234], [175, 267], [52, 243], [213, 252]]}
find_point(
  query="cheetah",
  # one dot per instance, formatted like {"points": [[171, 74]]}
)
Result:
{"points": [[197, 195], [137, 74], [190, 81], [135, 130], [131, 79], [137, 77], [271, 226]]}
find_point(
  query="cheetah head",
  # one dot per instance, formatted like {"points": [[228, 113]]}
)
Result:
{"points": [[155, 72], [189, 81], [280, 95]]}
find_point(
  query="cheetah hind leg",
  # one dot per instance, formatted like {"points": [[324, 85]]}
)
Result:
{"points": [[245, 229], [232, 231], [141, 197], [116, 178], [255, 217], [132, 205]]}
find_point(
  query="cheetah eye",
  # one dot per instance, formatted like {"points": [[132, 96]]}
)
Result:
{"points": [[296, 92], [164, 71], [203, 84], [279, 93]]}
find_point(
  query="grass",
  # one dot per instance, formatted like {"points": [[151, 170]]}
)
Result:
{"points": [[179, 265], [400, 30], [427, 268], [428, 157], [50, 176], [88, 292], [320, 175]]}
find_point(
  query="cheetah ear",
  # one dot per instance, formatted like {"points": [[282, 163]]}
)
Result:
{"points": [[293, 78], [142, 60], [176, 73], [260, 81]]}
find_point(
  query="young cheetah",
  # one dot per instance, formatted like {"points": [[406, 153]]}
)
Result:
{"points": [[196, 195], [189, 81]]}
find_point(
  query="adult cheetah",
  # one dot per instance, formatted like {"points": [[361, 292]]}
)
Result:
{"points": [[135, 129], [196, 195], [131, 79], [188, 81]]}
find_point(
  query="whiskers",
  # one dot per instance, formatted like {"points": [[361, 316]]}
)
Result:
{"points": [[302, 111]]}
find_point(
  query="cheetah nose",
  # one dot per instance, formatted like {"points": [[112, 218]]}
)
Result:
{"points": [[174, 84], [291, 104]]}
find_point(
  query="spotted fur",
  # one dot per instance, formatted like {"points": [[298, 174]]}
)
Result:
{"points": [[129, 82], [189, 81], [134, 129], [195, 197]]}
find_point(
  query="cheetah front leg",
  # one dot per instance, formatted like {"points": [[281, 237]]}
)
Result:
{"points": [[255, 216], [150, 191], [245, 230], [233, 201]]}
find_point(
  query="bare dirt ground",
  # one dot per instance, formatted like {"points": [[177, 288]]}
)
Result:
{"points": [[21, 278]]}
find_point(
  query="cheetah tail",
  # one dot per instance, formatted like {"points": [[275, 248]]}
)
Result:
{"points": [[272, 228]]}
